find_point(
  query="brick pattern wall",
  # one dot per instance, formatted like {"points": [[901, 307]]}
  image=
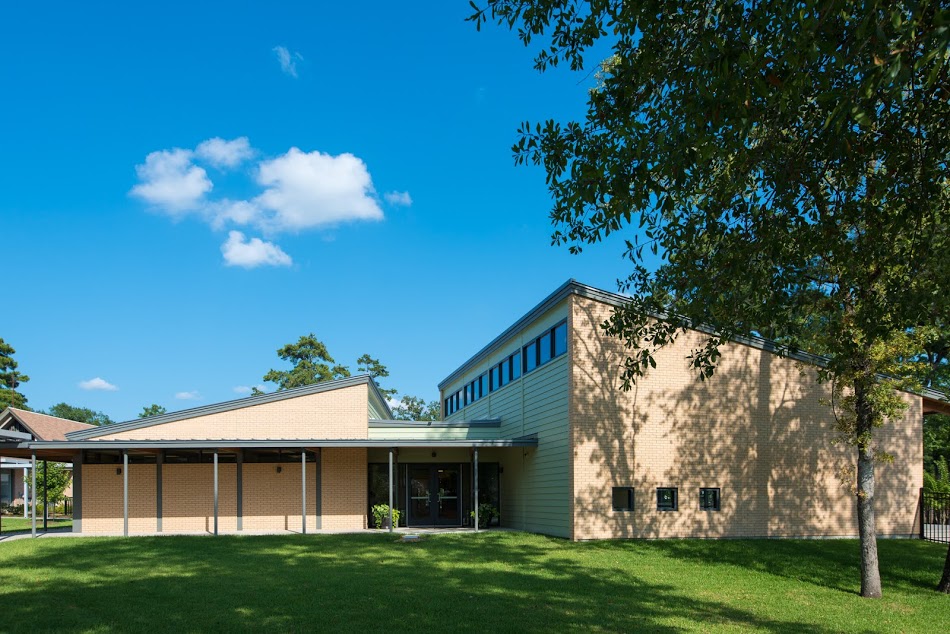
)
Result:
{"points": [[271, 499], [757, 430], [345, 493], [188, 498], [101, 499], [342, 413]]}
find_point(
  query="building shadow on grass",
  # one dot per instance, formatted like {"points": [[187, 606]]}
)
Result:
{"points": [[495, 582]]}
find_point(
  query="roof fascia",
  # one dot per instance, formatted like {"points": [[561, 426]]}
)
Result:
{"points": [[546, 304], [417, 424], [525, 441], [573, 287], [226, 406], [374, 392]]}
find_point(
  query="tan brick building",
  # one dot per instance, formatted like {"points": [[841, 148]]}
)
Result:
{"points": [[534, 425]]}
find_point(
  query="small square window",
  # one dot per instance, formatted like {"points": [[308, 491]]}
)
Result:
{"points": [[709, 499], [622, 498], [666, 499]]}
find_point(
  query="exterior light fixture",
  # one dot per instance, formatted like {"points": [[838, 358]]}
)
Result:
{"points": [[279, 469], [118, 470]]}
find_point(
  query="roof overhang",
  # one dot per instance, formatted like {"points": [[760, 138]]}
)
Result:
{"points": [[433, 424], [74, 445], [935, 402]]}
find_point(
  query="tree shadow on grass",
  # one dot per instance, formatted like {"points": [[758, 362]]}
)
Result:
{"points": [[908, 565], [494, 582]]}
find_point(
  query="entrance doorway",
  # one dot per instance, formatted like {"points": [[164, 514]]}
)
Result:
{"points": [[434, 495]]}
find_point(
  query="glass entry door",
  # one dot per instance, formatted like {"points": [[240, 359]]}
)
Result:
{"points": [[434, 495]]}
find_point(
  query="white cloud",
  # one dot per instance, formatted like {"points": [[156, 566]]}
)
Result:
{"points": [[97, 383], [288, 60], [312, 189], [238, 251], [398, 198], [225, 154], [246, 389], [297, 191], [170, 181], [193, 395]]}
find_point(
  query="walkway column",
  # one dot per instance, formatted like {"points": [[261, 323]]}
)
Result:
{"points": [[33, 494], [240, 489], [390, 489], [303, 491], [215, 491], [475, 482], [45, 495], [125, 492]]}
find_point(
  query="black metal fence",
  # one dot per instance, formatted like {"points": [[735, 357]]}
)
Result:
{"points": [[935, 516]]}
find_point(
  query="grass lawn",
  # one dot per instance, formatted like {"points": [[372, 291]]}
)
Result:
{"points": [[495, 581], [13, 524]]}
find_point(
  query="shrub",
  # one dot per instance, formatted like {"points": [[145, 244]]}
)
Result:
{"points": [[381, 515], [486, 513]]}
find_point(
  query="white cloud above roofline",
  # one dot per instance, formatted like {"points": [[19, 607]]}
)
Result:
{"points": [[97, 384]]}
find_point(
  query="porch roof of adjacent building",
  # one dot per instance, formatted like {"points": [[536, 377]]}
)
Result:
{"points": [[42, 426]]}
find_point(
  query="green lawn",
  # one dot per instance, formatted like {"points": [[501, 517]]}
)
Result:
{"points": [[13, 524], [495, 581]]}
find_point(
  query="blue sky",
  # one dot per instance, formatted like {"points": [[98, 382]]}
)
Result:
{"points": [[189, 186]]}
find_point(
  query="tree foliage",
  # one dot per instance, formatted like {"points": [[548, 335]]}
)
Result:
{"points": [[79, 414], [786, 162], [10, 379], [415, 408], [311, 363], [368, 365], [51, 478], [152, 410]]}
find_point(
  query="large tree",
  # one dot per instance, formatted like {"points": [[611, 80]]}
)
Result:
{"points": [[152, 410], [375, 370], [787, 164], [79, 414], [415, 408], [311, 363], [10, 379]]}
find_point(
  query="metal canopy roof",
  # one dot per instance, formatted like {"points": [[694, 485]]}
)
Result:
{"points": [[524, 441]]}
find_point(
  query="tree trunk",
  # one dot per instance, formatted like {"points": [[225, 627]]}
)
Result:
{"points": [[870, 572], [944, 585]]}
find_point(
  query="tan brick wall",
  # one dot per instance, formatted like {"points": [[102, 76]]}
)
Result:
{"points": [[188, 498], [272, 500], [342, 413], [345, 493], [101, 499], [756, 430]]}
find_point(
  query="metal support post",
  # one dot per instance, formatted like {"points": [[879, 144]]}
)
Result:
{"points": [[303, 491], [390, 489], [475, 482]]}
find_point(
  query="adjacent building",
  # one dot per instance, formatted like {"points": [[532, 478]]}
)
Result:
{"points": [[534, 425]]}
